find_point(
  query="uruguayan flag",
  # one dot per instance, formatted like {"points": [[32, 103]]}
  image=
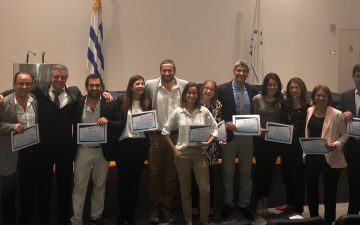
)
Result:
{"points": [[95, 62]]}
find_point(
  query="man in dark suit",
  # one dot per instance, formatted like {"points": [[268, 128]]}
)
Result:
{"points": [[236, 99], [350, 106], [18, 111]]}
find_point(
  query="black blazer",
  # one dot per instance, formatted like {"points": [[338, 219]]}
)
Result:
{"points": [[226, 97], [110, 111], [347, 102]]}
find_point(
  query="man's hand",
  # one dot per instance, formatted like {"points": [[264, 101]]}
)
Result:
{"points": [[19, 128], [108, 97], [1, 98], [230, 126], [347, 116]]}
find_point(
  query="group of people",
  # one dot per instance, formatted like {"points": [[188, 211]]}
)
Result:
{"points": [[172, 156]]}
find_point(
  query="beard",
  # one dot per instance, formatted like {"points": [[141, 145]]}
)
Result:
{"points": [[167, 79]]}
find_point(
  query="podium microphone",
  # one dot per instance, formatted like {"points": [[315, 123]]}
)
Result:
{"points": [[27, 56], [43, 56]]}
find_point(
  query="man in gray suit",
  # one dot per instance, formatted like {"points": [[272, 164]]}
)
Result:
{"points": [[164, 93], [18, 111]]}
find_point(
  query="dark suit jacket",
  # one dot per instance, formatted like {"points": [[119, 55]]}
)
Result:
{"points": [[8, 120], [226, 97], [347, 103], [111, 112]]}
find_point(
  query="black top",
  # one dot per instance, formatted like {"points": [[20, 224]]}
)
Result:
{"points": [[295, 117], [315, 126]]}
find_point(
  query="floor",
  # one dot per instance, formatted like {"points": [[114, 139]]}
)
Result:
{"points": [[277, 197]]}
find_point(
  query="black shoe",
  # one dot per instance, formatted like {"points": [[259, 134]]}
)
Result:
{"points": [[63, 221], [98, 221], [168, 216], [247, 213], [44, 222], [226, 212], [131, 220]]}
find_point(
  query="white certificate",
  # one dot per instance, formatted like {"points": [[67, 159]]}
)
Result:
{"points": [[91, 133], [247, 125], [353, 128], [313, 145], [29, 137], [199, 133], [144, 121], [278, 132], [222, 131]]}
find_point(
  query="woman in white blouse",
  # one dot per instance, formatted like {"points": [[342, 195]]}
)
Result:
{"points": [[132, 149], [190, 156]]}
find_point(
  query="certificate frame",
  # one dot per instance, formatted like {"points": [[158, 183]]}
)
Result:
{"points": [[91, 133], [28, 141], [319, 150], [353, 128], [255, 131], [144, 127], [199, 137], [269, 136], [222, 131]]}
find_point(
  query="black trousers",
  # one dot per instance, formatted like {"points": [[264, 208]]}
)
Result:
{"points": [[293, 174], [195, 188], [265, 153], [25, 177], [9, 186], [314, 165], [62, 157], [29, 169], [352, 155], [131, 154]]}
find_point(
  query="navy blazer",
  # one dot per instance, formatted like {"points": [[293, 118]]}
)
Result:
{"points": [[226, 97], [111, 112]]}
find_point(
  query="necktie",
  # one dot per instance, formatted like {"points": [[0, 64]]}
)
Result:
{"points": [[56, 98], [358, 112], [241, 95]]}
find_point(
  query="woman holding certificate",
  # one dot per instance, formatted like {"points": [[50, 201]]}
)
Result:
{"points": [[132, 149], [268, 106], [197, 129], [326, 122], [293, 112], [209, 100]]}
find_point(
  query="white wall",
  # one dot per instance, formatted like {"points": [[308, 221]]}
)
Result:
{"points": [[204, 37]]}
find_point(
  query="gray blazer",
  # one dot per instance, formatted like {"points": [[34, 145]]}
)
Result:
{"points": [[8, 120], [151, 88]]}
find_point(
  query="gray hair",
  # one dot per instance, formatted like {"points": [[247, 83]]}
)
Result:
{"points": [[243, 63], [60, 67]]}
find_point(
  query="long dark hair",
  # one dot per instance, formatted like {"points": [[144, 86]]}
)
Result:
{"points": [[303, 98], [183, 102], [128, 99], [276, 78]]}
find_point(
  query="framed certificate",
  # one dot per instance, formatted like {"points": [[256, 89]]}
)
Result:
{"points": [[91, 133], [222, 131], [247, 125], [144, 121], [199, 133], [278, 132], [29, 137], [313, 145], [353, 128]]}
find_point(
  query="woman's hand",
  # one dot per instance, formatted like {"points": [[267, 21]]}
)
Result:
{"points": [[108, 97], [331, 147], [19, 128], [230, 126], [263, 131], [102, 121]]}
